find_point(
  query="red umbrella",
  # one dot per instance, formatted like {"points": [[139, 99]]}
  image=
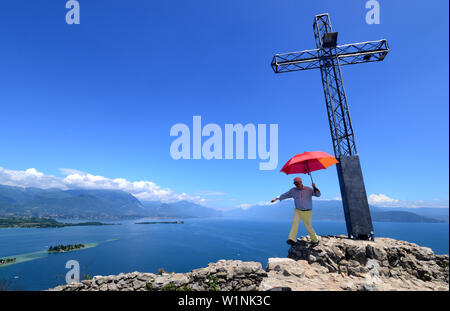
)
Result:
{"points": [[308, 162]]}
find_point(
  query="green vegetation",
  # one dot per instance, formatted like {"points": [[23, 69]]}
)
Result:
{"points": [[44, 253], [169, 287], [149, 286], [37, 222], [65, 248], [185, 288], [68, 204], [213, 281], [4, 261], [161, 271]]}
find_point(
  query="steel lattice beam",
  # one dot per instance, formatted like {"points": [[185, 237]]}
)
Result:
{"points": [[348, 54], [335, 97]]}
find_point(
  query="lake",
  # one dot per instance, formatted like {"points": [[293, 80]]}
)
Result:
{"points": [[130, 247]]}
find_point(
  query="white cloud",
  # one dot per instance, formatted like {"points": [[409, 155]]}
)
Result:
{"points": [[377, 199], [29, 178], [75, 179], [149, 191], [383, 200], [69, 171], [247, 206], [322, 198], [380, 200]]}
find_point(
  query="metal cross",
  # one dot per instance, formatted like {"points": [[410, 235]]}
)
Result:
{"points": [[329, 57]]}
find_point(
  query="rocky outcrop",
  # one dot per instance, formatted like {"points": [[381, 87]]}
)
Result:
{"points": [[224, 275], [337, 263]]}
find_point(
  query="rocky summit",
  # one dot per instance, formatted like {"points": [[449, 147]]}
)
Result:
{"points": [[339, 263], [336, 263]]}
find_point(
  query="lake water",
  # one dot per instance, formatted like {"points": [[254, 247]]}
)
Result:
{"points": [[130, 247]]}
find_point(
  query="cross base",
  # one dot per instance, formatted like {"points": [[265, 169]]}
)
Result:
{"points": [[354, 198]]}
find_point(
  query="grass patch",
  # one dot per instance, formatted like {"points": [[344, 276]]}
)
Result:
{"points": [[213, 283]]}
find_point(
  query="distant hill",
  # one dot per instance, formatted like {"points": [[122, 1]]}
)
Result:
{"points": [[17, 201], [113, 204], [91, 204], [431, 212], [402, 216], [181, 209], [332, 210]]}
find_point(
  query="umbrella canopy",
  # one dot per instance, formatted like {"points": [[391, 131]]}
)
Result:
{"points": [[307, 162]]}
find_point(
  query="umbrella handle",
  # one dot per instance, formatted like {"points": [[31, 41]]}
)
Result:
{"points": [[311, 177], [309, 173]]}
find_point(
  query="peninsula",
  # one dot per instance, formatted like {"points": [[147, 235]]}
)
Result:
{"points": [[37, 222]]}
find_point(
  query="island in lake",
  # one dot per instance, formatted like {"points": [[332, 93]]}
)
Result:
{"points": [[52, 250], [37, 222], [4, 261], [159, 222], [65, 248]]}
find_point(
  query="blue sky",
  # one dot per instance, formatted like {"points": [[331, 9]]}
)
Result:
{"points": [[101, 97]]}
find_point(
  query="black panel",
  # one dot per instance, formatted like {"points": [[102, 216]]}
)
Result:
{"points": [[354, 198]]}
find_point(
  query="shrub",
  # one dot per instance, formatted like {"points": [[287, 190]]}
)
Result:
{"points": [[185, 288], [161, 271], [149, 286], [169, 287], [213, 281]]}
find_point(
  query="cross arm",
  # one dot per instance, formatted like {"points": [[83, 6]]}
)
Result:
{"points": [[304, 60], [347, 54]]}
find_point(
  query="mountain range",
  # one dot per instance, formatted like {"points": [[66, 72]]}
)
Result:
{"points": [[81, 203], [115, 204], [181, 209], [91, 204], [332, 210]]}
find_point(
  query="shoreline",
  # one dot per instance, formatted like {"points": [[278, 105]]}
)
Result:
{"points": [[336, 264], [42, 254]]}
